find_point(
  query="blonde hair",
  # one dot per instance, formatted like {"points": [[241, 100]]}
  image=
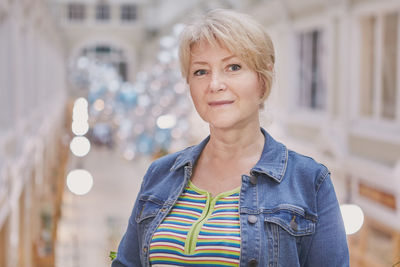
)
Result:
{"points": [[239, 33]]}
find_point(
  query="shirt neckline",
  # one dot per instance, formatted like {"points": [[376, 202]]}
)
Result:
{"points": [[200, 191]]}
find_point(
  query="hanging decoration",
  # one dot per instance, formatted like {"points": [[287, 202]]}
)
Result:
{"points": [[146, 117]]}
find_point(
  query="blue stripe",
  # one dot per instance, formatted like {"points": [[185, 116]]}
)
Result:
{"points": [[182, 216], [226, 218], [170, 230], [189, 191], [203, 232], [216, 243], [217, 210], [222, 226], [222, 202], [172, 221]]}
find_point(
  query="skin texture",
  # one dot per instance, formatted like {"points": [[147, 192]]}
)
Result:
{"points": [[227, 94]]}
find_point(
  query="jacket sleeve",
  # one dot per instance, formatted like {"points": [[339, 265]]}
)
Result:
{"points": [[329, 243]]}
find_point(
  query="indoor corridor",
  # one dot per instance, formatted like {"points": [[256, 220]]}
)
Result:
{"points": [[91, 93], [91, 225]]}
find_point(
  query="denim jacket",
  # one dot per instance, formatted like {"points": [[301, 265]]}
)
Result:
{"points": [[289, 214]]}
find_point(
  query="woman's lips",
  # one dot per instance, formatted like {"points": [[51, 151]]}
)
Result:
{"points": [[220, 103]]}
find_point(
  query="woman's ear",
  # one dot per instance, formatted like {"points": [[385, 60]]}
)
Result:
{"points": [[263, 86]]}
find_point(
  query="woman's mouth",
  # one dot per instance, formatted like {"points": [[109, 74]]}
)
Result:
{"points": [[220, 103]]}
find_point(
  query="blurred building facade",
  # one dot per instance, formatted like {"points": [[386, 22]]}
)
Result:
{"points": [[32, 105], [336, 98], [39, 40], [124, 33]]}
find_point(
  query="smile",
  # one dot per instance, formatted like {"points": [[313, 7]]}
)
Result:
{"points": [[220, 103]]}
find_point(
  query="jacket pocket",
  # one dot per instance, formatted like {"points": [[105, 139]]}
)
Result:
{"points": [[148, 208], [292, 219], [288, 230]]}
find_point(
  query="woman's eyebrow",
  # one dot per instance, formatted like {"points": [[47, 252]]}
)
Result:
{"points": [[228, 57], [205, 63], [199, 63]]}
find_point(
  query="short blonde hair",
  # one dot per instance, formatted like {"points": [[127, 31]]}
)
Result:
{"points": [[239, 33]]}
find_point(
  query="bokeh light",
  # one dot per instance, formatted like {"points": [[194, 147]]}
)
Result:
{"points": [[98, 105], [166, 121], [79, 181], [83, 63], [80, 127], [129, 154], [353, 218], [80, 115], [81, 103], [80, 146]]}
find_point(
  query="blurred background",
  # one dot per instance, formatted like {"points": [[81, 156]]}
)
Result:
{"points": [[91, 93]]}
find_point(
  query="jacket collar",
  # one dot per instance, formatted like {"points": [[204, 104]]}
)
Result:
{"points": [[272, 163]]}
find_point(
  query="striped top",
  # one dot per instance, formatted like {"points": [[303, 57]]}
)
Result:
{"points": [[200, 230]]}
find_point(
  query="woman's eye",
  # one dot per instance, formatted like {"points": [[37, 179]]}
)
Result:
{"points": [[199, 72], [234, 67]]}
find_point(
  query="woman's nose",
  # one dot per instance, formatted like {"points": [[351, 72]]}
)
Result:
{"points": [[217, 83]]}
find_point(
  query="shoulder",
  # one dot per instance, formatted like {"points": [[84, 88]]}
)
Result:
{"points": [[164, 162], [163, 167], [305, 162], [164, 176], [167, 162], [307, 168]]}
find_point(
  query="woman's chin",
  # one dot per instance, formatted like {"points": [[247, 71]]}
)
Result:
{"points": [[224, 124]]}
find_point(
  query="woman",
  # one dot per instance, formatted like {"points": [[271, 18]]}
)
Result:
{"points": [[239, 198]]}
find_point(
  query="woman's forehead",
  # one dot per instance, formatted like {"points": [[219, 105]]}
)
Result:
{"points": [[203, 46]]}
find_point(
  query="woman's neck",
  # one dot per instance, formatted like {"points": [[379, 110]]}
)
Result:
{"points": [[233, 144]]}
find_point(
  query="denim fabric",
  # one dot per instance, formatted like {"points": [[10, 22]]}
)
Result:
{"points": [[289, 214]]}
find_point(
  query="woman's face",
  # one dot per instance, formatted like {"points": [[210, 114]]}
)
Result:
{"points": [[225, 91]]}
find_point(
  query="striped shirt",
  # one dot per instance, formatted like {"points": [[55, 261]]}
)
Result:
{"points": [[200, 230]]}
